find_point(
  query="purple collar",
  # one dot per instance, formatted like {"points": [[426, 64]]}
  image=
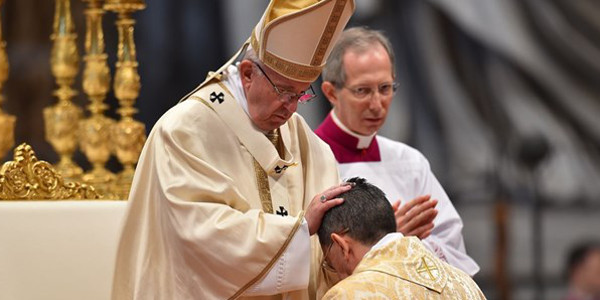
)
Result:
{"points": [[345, 145]]}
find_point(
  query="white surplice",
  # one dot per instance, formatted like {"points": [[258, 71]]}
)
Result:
{"points": [[402, 173]]}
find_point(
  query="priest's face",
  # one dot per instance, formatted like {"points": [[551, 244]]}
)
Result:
{"points": [[343, 254], [363, 102], [267, 108], [334, 262]]}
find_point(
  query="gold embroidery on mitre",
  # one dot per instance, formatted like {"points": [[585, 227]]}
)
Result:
{"points": [[428, 269], [27, 178], [286, 68], [291, 70], [328, 33]]}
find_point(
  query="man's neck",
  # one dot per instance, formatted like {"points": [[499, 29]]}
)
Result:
{"points": [[344, 143], [363, 140]]}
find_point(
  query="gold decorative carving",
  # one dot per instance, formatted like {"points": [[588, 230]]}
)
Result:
{"points": [[7, 122], [94, 132], [128, 135], [27, 178], [62, 119]]}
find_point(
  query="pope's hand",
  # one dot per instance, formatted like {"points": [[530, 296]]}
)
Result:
{"points": [[321, 203], [415, 218]]}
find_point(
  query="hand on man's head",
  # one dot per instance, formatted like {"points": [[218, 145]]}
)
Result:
{"points": [[321, 203]]}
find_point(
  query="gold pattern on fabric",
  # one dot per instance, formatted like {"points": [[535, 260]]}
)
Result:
{"points": [[263, 188], [275, 139], [327, 35], [405, 269], [262, 178], [427, 268]]}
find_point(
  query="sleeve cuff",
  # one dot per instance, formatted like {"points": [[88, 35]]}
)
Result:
{"points": [[291, 271]]}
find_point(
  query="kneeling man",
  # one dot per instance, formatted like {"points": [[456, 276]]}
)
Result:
{"points": [[360, 244]]}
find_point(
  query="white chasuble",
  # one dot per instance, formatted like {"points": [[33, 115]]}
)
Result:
{"points": [[195, 226]]}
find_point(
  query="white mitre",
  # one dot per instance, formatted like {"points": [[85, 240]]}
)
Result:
{"points": [[294, 38]]}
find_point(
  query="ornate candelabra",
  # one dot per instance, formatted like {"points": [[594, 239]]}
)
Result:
{"points": [[62, 119], [7, 122], [94, 132], [27, 178], [128, 134]]}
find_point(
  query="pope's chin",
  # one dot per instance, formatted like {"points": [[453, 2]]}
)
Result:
{"points": [[273, 123]]}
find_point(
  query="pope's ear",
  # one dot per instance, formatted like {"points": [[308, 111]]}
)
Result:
{"points": [[330, 92], [246, 70]]}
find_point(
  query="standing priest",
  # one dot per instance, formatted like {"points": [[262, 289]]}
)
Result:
{"points": [[359, 83], [232, 183]]}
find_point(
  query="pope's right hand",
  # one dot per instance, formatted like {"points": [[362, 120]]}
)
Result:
{"points": [[321, 203]]}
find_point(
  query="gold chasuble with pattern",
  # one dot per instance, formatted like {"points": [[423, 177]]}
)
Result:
{"points": [[197, 226], [405, 269]]}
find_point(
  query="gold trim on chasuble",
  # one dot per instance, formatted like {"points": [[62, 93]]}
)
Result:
{"points": [[262, 179]]}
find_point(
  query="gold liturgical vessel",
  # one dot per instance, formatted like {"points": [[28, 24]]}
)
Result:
{"points": [[62, 119], [128, 135], [94, 132], [7, 122]]}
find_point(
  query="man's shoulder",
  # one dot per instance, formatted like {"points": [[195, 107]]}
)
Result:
{"points": [[367, 284], [188, 111], [397, 150], [298, 125]]}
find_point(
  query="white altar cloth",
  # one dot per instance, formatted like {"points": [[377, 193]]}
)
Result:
{"points": [[58, 249]]}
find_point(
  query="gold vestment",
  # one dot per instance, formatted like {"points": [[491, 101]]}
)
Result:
{"points": [[405, 269]]}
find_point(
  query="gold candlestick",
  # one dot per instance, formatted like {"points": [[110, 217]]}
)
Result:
{"points": [[61, 120], [128, 135], [94, 132], [7, 122]]}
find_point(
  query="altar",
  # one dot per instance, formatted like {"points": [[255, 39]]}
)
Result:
{"points": [[58, 249], [59, 224]]}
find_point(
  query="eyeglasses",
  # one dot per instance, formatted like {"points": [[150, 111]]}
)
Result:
{"points": [[364, 92], [324, 264], [289, 97]]}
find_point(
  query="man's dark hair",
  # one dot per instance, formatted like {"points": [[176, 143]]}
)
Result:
{"points": [[578, 254], [366, 213]]}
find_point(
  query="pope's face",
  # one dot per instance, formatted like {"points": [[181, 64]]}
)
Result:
{"points": [[368, 71], [264, 107]]}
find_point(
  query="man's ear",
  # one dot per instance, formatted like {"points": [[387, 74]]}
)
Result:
{"points": [[344, 243], [330, 92], [246, 70]]}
